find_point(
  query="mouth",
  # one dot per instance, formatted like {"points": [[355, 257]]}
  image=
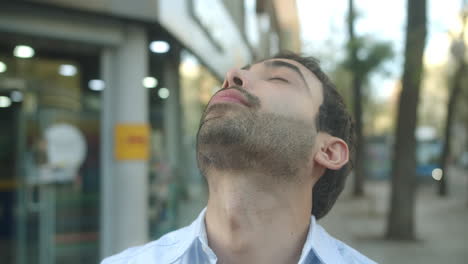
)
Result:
{"points": [[230, 95]]}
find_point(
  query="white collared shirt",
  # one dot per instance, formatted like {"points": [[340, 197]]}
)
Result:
{"points": [[189, 245]]}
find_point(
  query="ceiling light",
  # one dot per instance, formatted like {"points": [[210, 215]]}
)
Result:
{"points": [[163, 93], [67, 70], [3, 66], [150, 82], [16, 96], [23, 51], [96, 85], [159, 46], [5, 101]]}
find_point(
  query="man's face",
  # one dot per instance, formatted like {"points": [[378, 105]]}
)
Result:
{"points": [[262, 119]]}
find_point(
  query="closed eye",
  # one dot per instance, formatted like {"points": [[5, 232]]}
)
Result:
{"points": [[278, 79]]}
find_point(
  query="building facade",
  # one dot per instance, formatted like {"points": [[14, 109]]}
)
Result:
{"points": [[99, 106]]}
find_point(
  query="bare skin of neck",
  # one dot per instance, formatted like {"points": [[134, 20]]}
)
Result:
{"points": [[252, 220]]}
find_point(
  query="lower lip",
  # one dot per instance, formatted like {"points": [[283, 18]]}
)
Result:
{"points": [[226, 99]]}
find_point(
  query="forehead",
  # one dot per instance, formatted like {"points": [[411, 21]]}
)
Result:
{"points": [[292, 67]]}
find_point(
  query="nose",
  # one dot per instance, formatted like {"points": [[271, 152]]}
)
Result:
{"points": [[235, 77]]}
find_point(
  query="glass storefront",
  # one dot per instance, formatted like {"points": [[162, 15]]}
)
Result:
{"points": [[50, 146], [50, 110], [198, 84], [177, 193], [162, 179], [59, 191]]}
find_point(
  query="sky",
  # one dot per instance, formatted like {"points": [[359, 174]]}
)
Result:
{"points": [[323, 30]]}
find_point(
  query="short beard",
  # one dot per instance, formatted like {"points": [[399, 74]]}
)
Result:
{"points": [[246, 140]]}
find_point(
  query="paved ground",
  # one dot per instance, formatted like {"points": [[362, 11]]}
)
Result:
{"points": [[441, 223]]}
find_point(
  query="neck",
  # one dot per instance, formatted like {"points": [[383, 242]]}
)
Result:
{"points": [[253, 222]]}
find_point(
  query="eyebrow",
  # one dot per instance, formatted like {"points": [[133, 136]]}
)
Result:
{"points": [[279, 64]]}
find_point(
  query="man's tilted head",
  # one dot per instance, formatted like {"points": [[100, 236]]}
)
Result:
{"points": [[282, 122], [274, 145]]}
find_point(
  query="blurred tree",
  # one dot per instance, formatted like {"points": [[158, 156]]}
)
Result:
{"points": [[401, 216], [364, 57], [458, 52]]}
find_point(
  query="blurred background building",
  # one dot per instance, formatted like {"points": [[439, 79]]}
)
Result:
{"points": [[100, 102], [99, 107]]}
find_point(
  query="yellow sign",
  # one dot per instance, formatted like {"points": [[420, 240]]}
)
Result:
{"points": [[132, 141]]}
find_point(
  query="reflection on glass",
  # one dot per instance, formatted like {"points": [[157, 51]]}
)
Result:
{"points": [[53, 191], [67, 70], [163, 93], [16, 96], [96, 85], [5, 101], [3, 67], [150, 82], [159, 46], [23, 51]]}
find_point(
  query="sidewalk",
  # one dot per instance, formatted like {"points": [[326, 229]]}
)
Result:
{"points": [[441, 223]]}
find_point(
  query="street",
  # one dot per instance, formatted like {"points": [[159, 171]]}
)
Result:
{"points": [[441, 223]]}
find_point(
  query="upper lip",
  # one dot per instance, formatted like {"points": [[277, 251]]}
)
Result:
{"points": [[232, 93]]}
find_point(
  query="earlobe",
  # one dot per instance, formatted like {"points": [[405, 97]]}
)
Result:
{"points": [[333, 153]]}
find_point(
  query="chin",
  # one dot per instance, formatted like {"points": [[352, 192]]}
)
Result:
{"points": [[224, 111]]}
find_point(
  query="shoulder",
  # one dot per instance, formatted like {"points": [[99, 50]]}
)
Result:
{"points": [[164, 250]]}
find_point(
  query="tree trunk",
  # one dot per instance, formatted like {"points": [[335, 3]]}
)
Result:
{"points": [[401, 216], [358, 188], [359, 174], [451, 107]]}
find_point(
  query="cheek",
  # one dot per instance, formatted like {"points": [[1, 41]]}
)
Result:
{"points": [[288, 104]]}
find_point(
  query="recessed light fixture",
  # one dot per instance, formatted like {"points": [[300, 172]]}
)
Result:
{"points": [[96, 85], [67, 70], [23, 51], [16, 96], [163, 93], [150, 82], [5, 101], [3, 66], [159, 46]]}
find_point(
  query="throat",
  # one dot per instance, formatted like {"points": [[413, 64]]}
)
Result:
{"points": [[255, 225]]}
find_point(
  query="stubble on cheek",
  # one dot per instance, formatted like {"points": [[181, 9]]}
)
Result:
{"points": [[261, 142]]}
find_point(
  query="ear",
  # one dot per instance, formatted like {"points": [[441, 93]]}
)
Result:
{"points": [[333, 153]]}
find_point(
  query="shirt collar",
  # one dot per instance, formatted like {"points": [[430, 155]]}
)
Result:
{"points": [[195, 231], [202, 236], [201, 228], [318, 241]]}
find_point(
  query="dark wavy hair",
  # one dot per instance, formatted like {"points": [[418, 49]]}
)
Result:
{"points": [[334, 119]]}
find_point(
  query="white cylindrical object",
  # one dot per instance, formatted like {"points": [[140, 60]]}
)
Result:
{"points": [[124, 221]]}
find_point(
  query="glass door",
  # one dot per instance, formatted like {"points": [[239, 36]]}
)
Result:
{"points": [[49, 160]]}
